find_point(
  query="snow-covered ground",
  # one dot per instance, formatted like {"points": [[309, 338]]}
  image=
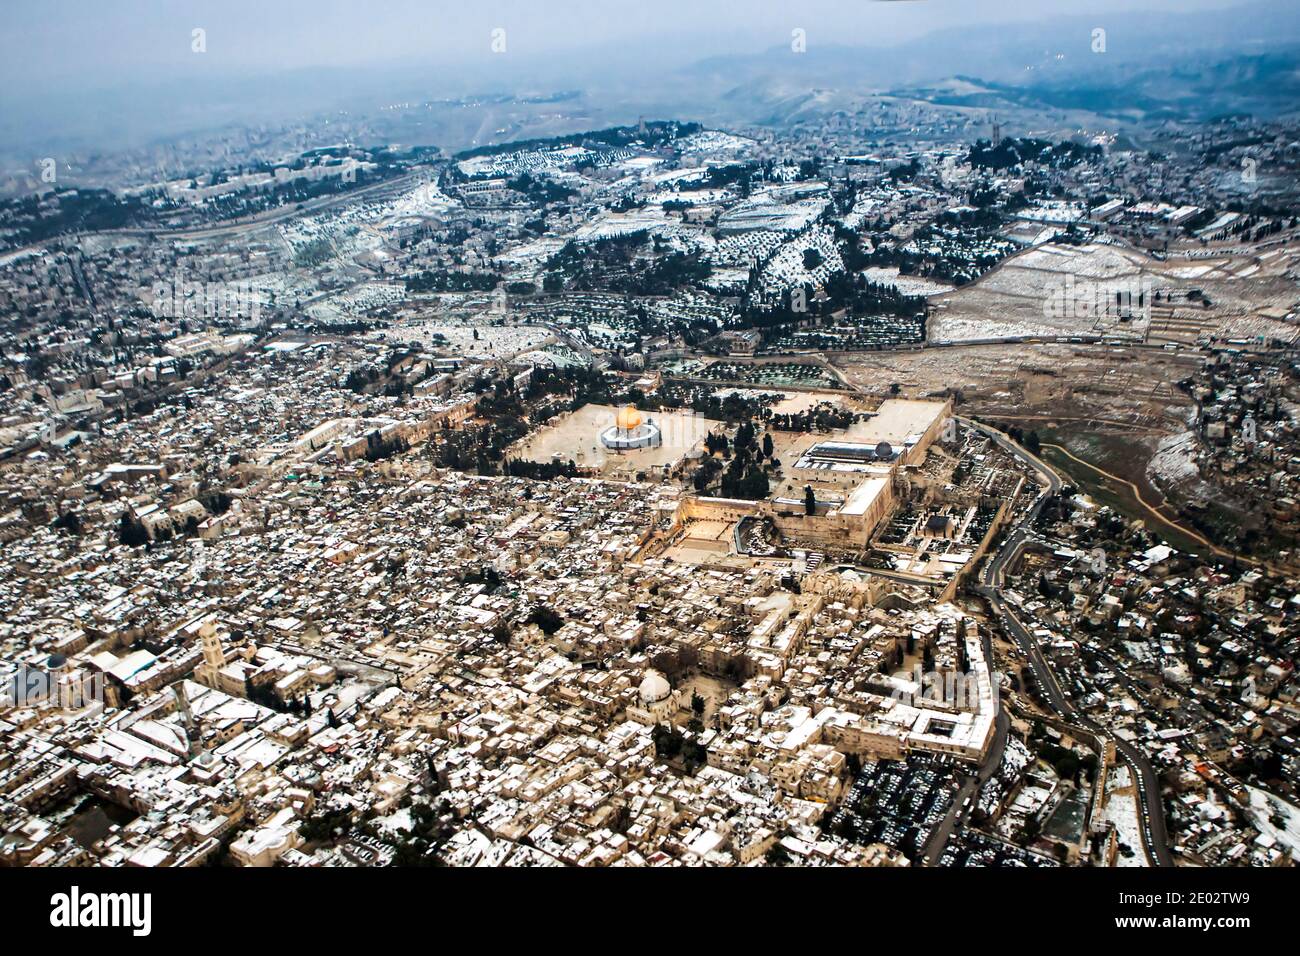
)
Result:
{"points": [[965, 329], [750, 246], [492, 342], [425, 199], [1263, 807], [651, 219], [1091, 261], [356, 222], [282, 287], [908, 285], [639, 164], [531, 256], [694, 197], [1174, 462], [712, 140], [727, 279], [520, 161], [1050, 291], [11, 257], [356, 301], [864, 206], [1054, 211], [553, 356], [768, 210], [786, 269], [395, 822], [1122, 810], [678, 175]]}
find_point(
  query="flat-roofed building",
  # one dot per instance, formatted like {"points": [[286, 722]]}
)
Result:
{"points": [[909, 426]]}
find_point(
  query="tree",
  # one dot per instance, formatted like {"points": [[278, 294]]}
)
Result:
{"points": [[755, 484], [809, 500], [777, 855], [324, 826], [697, 705], [767, 445], [70, 522], [501, 631], [545, 618], [131, 531]]}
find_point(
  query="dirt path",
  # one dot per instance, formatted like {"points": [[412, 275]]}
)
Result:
{"points": [[1086, 419], [1153, 510]]}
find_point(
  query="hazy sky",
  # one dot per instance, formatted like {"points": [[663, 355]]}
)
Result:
{"points": [[105, 43], [80, 76]]}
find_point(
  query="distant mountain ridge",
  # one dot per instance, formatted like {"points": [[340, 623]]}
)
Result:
{"points": [[1263, 85], [1196, 65]]}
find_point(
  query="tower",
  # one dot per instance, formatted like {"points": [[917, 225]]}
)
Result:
{"points": [[997, 130], [209, 672], [57, 679], [212, 653], [193, 731]]}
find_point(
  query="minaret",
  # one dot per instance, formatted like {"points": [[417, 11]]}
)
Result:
{"points": [[192, 729]]}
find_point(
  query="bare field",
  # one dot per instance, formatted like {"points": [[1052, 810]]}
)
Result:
{"points": [[1050, 290], [1109, 406], [1130, 388]]}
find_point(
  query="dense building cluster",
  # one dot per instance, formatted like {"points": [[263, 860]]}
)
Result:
{"points": [[627, 498]]}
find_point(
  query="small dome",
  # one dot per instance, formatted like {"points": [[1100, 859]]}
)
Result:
{"points": [[654, 688], [628, 418], [56, 661]]}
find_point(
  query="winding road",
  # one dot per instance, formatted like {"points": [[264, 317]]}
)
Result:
{"points": [[1155, 837]]}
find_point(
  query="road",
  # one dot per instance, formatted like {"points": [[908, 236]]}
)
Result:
{"points": [[1152, 818], [967, 794], [963, 801], [258, 220], [1158, 515]]}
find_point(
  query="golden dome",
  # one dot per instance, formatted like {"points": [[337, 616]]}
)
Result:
{"points": [[628, 418]]}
